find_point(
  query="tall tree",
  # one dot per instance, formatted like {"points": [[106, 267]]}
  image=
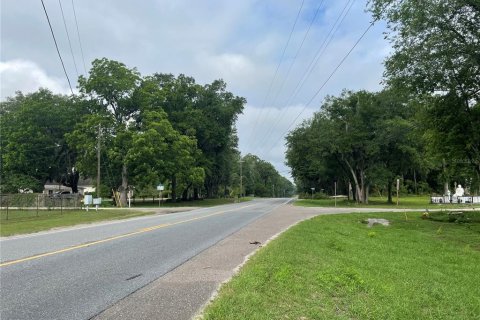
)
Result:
{"points": [[358, 137], [436, 59], [260, 178], [110, 86], [207, 113], [33, 148], [160, 153]]}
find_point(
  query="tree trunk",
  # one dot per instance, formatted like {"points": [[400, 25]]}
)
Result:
{"points": [[361, 189], [123, 187], [195, 194], [185, 193], [358, 187], [445, 186], [367, 191], [174, 188], [389, 191], [350, 193]]}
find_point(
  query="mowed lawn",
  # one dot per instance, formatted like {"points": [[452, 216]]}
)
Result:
{"points": [[335, 267], [409, 202], [27, 221]]}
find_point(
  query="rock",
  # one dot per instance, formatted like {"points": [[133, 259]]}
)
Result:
{"points": [[371, 222]]}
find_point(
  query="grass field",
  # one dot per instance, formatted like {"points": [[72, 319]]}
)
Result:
{"points": [[334, 267], [408, 202], [26, 221]]}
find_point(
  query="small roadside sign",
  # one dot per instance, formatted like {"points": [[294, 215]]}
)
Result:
{"points": [[160, 187]]}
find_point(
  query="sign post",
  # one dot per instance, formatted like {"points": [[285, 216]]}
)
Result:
{"points": [[130, 196], [160, 188], [88, 200], [398, 187], [97, 202]]}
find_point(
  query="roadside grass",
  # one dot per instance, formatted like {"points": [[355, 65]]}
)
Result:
{"points": [[191, 203], [334, 267], [407, 202], [27, 221]]}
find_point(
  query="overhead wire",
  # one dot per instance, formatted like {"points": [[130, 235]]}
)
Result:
{"points": [[323, 84], [296, 54], [68, 37], [276, 71], [56, 46], [322, 48], [79, 41]]}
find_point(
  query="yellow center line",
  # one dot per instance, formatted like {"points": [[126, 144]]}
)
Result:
{"points": [[143, 230]]}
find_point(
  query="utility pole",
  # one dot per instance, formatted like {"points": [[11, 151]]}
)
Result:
{"points": [[335, 193], [241, 178], [98, 160]]}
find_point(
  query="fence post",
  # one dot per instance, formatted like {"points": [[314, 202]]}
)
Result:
{"points": [[61, 204], [37, 205]]}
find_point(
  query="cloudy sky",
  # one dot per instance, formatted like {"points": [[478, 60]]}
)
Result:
{"points": [[243, 42]]}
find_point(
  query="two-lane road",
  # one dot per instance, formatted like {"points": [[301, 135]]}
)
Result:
{"points": [[77, 273]]}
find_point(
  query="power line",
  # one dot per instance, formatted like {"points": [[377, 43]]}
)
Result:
{"points": [[326, 41], [276, 71], [68, 37], [290, 69], [323, 85], [298, 51], [79, 41], [56, 46]]}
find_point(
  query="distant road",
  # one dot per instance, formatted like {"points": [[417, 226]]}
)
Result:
{"points": [[77, 273]]}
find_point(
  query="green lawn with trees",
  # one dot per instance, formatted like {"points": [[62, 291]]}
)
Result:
{"points": [[422, 128]]}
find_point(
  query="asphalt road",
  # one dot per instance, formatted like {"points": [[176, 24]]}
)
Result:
{"points": [[78, 273]]}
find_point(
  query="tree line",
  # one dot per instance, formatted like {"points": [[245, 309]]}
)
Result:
{"points": [[145, 129], [422, 128]]}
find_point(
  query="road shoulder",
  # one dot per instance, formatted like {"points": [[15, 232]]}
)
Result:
{"points": [[181, 293]]}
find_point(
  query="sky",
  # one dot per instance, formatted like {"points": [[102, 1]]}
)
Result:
{"points": [[280, 55]]}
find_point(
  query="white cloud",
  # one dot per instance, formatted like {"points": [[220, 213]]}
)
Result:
{"points": [[26, 76], [262, 131], [238, 41]]}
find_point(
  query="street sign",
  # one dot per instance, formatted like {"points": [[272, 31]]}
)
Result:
{"points": [[88, 199], [160, 187]]}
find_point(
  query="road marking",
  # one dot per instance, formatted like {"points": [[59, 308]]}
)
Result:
{"points": [[143, 230]]}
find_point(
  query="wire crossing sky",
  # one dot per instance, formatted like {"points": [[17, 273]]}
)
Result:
{"points": [[275, 53]]}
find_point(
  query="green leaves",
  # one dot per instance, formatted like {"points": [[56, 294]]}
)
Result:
{"points": [[33, 144], [147, 129], [358, 137]]}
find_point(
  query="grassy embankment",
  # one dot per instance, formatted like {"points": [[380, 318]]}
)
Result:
{"points": [[334, 267], [407, 202], [16, 221]]}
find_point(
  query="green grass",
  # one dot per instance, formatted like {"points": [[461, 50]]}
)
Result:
{"points": [[334, 267], [407, 202], [192, 203], [27, 221]]}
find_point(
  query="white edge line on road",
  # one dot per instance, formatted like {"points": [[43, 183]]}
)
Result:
{"points": [[139, 231]]}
